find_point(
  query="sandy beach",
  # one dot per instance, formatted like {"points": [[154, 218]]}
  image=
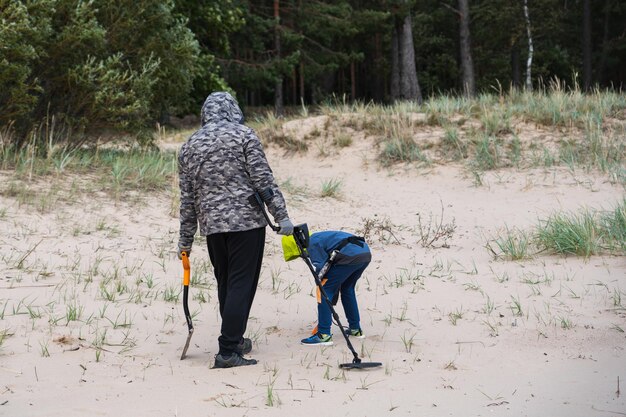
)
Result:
{"points": [[92, 320]]}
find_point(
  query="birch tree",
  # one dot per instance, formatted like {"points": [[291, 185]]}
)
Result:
{"points": [[529, 60]]}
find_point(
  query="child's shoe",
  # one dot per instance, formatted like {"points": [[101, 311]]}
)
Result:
{"points": [[356, 333], [318, 339]]}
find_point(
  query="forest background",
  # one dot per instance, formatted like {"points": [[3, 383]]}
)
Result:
{"points": [[122, 66]]}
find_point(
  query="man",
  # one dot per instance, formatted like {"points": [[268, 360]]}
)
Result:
{"points": [[220, 167]]}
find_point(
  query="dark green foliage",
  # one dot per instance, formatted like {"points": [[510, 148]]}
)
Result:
{"points": [[119, 64], [126, 64], [23, 34], [212, 22]]}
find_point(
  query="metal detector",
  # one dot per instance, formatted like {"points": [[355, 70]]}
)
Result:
{"points": [[259, 199], [301, 236]]}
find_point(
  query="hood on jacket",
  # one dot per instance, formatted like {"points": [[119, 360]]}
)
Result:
{"points": [[221, 107]]}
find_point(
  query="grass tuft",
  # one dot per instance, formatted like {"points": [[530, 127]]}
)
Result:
{"points": [[331, 188], [585, 233], [575, 234], [512, 244]]}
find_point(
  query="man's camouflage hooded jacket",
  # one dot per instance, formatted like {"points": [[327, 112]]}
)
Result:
{"points": [[219, 167]]}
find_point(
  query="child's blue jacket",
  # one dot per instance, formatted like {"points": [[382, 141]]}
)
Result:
{"points": [[321, 244]]}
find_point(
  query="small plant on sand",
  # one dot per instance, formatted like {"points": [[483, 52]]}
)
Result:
{"points": [[4, 334], [511, 243], [493, 328], [435, 230], [73, 312], [452, 144], [487, 156], [613, 227], [276, 279], [570, 234], [381, 228], [408, 341], [342, 140], [171, 294], [401, 149], [271, 399], [456, 316], [565, 322], [616, 296], [43, 349], [331, 188], [489, 306], [297, 191], [516, 307]]}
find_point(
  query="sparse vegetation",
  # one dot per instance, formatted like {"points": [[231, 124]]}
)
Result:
{"points": [[331, 188], [585, 233], [401, 149], [487, 132], [434, 232], [114, 288], [382, 229], [511, 243], [115, 171]]}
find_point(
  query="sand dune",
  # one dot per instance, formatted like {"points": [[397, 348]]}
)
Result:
{"points": [[90, 304]]}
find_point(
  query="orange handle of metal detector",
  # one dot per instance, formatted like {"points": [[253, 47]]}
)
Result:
{"points": [[186, 268]]}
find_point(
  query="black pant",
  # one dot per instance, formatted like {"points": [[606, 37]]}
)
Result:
{"points": [[236, 259]]}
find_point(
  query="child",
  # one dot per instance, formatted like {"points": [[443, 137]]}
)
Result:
{"points": [[351, 260]]}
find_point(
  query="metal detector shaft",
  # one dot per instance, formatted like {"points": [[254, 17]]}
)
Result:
{"points": [[186, 279], [256, 197]]}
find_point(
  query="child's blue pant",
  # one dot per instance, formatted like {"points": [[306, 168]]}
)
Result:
{"points": [[341, 278]]}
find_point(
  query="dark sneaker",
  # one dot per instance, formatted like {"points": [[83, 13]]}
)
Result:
{"points": [[318, 339], [233, 360], [358, 333], [246, 346]]}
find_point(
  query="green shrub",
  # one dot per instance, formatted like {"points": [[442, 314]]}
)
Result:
{"points": [[575, 234], [613, 226], [93, 64], [23, 34], [513, 244], [487, 156], [401, 149]]}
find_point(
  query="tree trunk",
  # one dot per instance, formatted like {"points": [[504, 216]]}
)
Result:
{"points": [[395, 64], [467, 66], [587, 77], [409, 87], [301, 82], [516, 72], [279, 107], [605, 42], [529, 61], [353, 80], [379, 83]]}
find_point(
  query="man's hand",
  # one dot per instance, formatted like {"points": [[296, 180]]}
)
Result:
{"points": [[183, 249], [286, 227]]}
